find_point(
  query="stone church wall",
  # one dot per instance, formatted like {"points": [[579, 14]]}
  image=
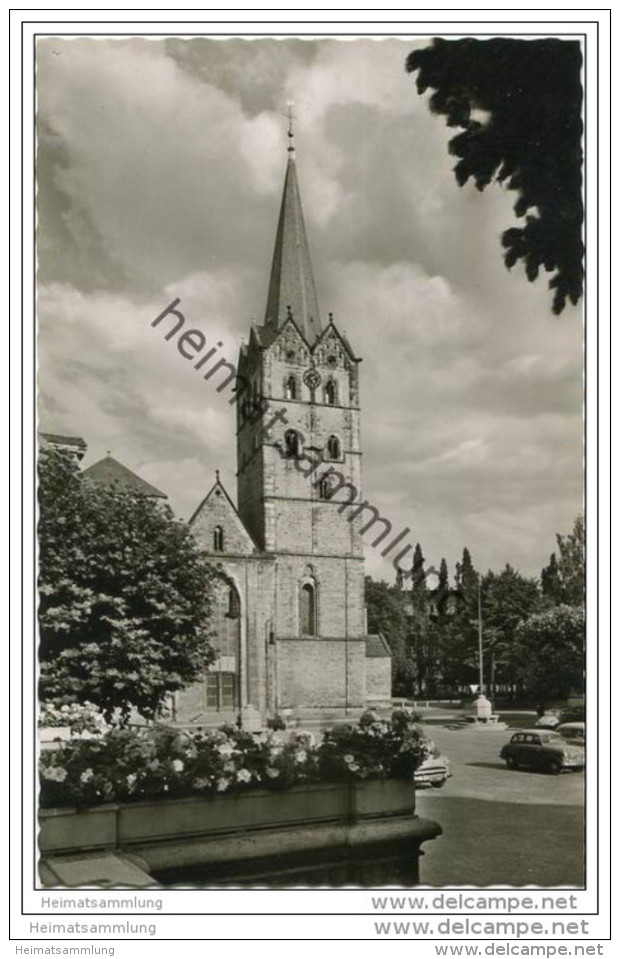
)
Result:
{"points": [[320, 673], [378, 679], [339, 594]]}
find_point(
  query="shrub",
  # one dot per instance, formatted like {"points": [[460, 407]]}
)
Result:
{"points": [[125, 595], [127, 764]]}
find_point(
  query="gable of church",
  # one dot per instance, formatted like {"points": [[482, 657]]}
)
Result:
{"points": [[218, 527], [333, 348]]}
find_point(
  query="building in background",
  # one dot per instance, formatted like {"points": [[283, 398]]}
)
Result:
{"points": [[109, 472], [74, 445]]}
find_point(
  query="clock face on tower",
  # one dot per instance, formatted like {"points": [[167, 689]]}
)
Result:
{"points": [[312, 379]]}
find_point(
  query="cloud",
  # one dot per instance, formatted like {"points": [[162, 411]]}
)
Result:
{"points": [[154, 160], [107, 374], [160, 172]]}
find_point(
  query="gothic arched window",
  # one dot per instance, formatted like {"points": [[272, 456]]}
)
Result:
{"points": [[233, 603], [222, 680], [331, 393], [218, 539], [290, 388], [333, 448], [292, 443], [325, 487], [307, 610]]}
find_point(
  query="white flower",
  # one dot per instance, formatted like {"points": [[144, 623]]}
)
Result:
{"points": [[225, 749], [55, 773], [353, 767], [86, 776], [200, 783], [222, 784], [178, 765], [244, 775], [275, 750], [349, 758], [131, 778], [229, 767], [301, 756], [272, 773]]}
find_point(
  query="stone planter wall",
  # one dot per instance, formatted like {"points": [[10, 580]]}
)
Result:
{"points": [[236, 835], [121, 825]]}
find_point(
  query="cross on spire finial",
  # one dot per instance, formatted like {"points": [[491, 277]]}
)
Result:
{"points": [[291, 133]]}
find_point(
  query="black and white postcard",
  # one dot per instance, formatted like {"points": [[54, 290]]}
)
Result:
{"points": [[312, 320]]}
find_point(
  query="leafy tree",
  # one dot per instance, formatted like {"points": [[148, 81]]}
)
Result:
{"points": [[124, 595], [418, 590], [518, 104], [507, 600], [467, 577], [457, 633], [387, 615], [443, 595], [422, 634], [550, 581], [564, 579], [551, 659], [443, 584], [458, 663]]}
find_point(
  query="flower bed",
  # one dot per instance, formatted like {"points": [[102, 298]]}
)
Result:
{"points": [[80, 718], [126, 765]]}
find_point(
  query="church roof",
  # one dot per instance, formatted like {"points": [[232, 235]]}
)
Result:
{"points": [[291, 287], [109, 472]]}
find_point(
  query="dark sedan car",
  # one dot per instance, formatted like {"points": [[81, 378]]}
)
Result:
{"points": [[542, 750]]}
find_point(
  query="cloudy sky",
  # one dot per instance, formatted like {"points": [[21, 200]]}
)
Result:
{"points": [[160, 170]]}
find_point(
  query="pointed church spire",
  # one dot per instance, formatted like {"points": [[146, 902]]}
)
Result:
{"points": [[292, 284]]}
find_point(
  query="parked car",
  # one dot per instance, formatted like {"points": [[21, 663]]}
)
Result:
{"points": [[434, 771], [548, 720], [542, 750], [553, 718], [574, 733]]}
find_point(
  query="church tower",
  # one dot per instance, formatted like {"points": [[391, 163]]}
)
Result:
{"points": [[299, 460], [290, 554], [300, 416]]}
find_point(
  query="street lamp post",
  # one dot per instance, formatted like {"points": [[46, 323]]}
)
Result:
{"points": [[480, 659]]}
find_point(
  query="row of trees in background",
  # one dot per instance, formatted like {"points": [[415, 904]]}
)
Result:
{"points": [[533, 629], [125, 596]]}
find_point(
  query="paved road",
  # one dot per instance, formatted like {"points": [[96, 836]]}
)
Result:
{"points": [[501, 827]]}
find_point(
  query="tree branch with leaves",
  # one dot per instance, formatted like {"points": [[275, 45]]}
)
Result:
{"points": [[518, 104]]}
